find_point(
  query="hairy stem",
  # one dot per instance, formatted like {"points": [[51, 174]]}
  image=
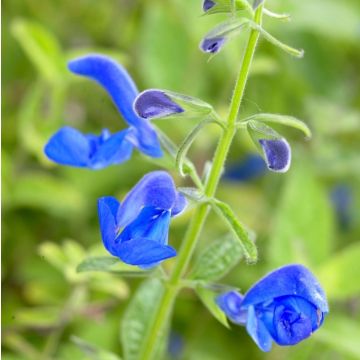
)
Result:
{"points": [[156, 330]]}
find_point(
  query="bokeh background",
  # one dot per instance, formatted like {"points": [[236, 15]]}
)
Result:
{"points": [[309, 215]]}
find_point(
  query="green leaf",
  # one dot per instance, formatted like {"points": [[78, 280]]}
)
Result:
{"points": [[42, 49], [111, 265], [217, 259], [303, 225], [207, 297], [339, 275], [281, 120], [341, 334], [247, 245], [36, 190], [137, 318], [99, 263], [93, 351], [53, 253]]}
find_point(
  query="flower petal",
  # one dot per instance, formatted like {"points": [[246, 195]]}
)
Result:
{"points": [[151, 223], [107, 210], [116, 81], [257, 330], [153, 104], [143, 251], [180, 204], [230, 304], [277, 154], [287, 280], [115, 150], [68, 146], [156, 189]]}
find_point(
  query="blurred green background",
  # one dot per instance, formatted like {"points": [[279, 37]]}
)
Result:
{"points": [[309, 215]]}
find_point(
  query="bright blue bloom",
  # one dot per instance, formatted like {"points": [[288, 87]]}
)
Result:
{"points": [[151, 104], [70, 147], [136, 231], [250, 168], [277, 154], [286, 306]]}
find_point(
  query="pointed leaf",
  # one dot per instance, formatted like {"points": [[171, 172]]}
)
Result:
{"points": [[208, 297], [42, 48], [101, 263], [341, 333], [137, 319], [217, 259], [93, 351], [248, 246], [338, 274], [303, 226]]}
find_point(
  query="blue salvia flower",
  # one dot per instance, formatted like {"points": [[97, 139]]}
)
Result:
{"points": [[136, 231], [69, 147], [250, 168], [286, 306], [277, 154]]}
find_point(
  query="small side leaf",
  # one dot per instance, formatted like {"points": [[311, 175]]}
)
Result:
{"points": [[217, 259], [101, 263], [281, 120], [208, 299], [42, 49], [137, 318], [248, 247], [92, 351]]}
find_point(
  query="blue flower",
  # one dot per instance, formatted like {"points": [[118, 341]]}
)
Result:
{"points": [[136, 231], [250, 168], [277, 154], [286, 306], [68, 146]]}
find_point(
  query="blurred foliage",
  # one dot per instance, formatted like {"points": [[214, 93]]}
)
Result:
{"points": [[45, 301]]}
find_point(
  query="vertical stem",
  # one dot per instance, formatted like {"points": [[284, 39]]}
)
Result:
{"points": [[172, 287]]}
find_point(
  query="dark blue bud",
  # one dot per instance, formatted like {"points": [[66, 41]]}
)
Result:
{"points": [[212, 45], [152, 104], [208, 4], [277, 154]]}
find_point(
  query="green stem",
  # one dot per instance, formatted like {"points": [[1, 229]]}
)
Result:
{"points": [[165, 306]]}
